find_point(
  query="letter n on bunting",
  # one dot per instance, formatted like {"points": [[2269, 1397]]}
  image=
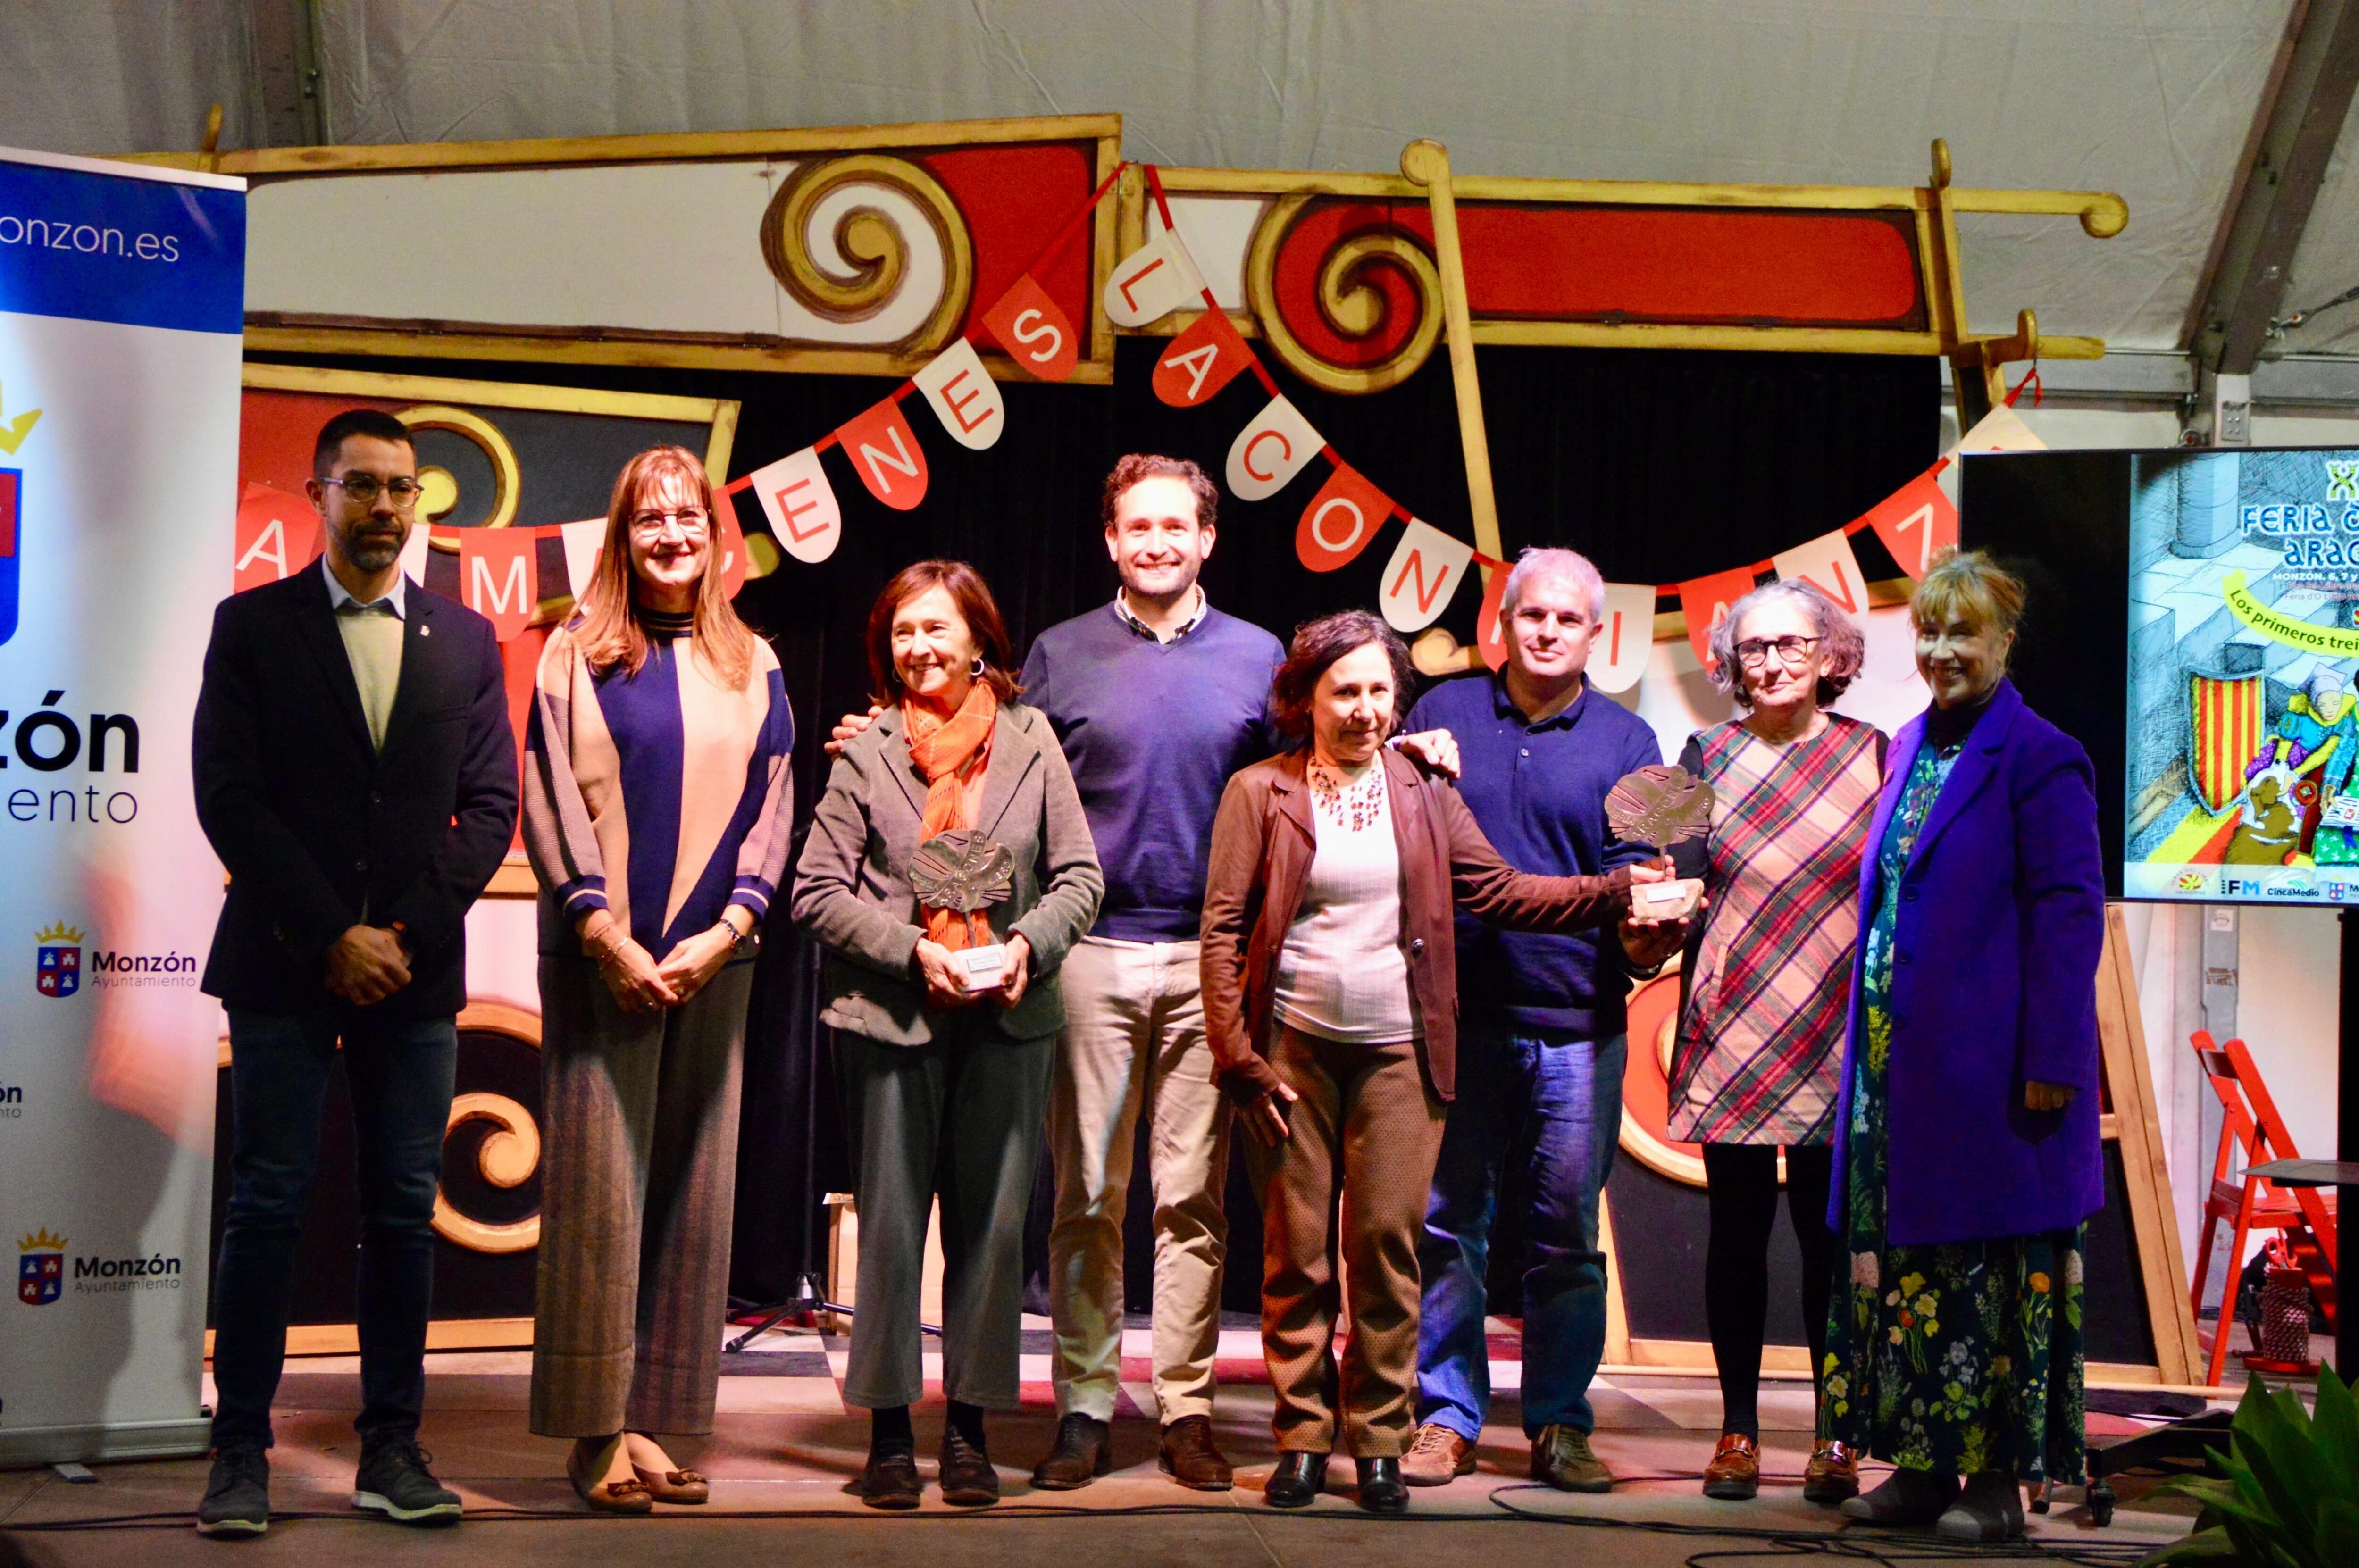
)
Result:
{"points": [[885, 451]]}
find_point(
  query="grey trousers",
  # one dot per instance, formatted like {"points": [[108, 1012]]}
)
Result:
{"points": [[638, 1177], [959, 1119]]}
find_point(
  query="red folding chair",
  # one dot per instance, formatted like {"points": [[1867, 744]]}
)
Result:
{"points": [[2253, 1133]]}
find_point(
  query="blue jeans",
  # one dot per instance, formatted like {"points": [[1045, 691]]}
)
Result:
{"points": [[1552, 1106], [401, 1076]]}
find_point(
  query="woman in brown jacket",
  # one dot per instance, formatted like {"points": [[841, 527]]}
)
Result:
{"points": [[1331, 998]]}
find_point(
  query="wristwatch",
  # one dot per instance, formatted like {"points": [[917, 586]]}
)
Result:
{"points": [[748, 945]]}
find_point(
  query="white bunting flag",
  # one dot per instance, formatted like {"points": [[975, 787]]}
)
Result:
{"points": [[1271, 450], [2000, 430], [582, 543], [962, 397], [1626, 637], [414, 548], [1827, 563], [799, 505], [1423, 573], [1152, 282]]}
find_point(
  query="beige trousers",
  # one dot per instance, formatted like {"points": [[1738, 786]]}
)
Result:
{"points": [[1134, 1045]]}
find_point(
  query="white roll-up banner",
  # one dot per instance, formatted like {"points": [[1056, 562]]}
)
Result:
{"points": [[122, 293]]}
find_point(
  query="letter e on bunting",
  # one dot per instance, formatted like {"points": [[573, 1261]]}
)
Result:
{"points": [[962, 397], [1201, 361], [1034, 331], [1916, 522], [1271, 450], [277, 535], [1827, 564], [1341, 519], [800, 506], [1704, 600], [885, 453], [496, 576], [1625, 636], [1152, 282], [1421, 575]]}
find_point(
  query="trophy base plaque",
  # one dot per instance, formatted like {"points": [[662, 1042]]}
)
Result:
{"points": [[1666, 901], [983, 968]]}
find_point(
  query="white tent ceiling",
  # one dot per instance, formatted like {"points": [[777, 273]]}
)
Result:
{"points": [[2154, 99]]}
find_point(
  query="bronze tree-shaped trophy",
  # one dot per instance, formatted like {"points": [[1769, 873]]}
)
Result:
{"points": [[1661, 805], [965, 872]]}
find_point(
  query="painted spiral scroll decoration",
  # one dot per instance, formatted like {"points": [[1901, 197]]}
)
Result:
{"points": [[1346, 292], [507, 1156], [837, 236]]}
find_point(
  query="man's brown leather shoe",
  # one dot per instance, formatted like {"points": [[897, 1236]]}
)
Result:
{"points": [[1561, 1457], [1437, 1457], [1734, 1474], [1832, 1475], [1190, 1458], [1084, 1451]]}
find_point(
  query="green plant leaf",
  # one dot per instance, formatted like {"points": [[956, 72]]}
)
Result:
{"points": [[2250, 1519], [2285, 1465], [2204, 1546], [2335, 1429]]}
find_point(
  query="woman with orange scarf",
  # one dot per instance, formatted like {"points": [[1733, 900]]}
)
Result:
{"points": [[948, 870]]}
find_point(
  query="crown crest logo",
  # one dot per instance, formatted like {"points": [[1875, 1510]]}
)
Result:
{"points": [[61, 932], [42, 1240]]}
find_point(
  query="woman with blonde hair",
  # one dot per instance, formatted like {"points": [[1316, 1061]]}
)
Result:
{"points": [[657, 810], [1966, 1156]]}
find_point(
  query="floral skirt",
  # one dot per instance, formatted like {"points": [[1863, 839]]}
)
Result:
{"points": [[1957, 1358]]}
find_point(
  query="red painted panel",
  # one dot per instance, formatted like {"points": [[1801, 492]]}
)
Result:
{"points": [[1015, 199]]}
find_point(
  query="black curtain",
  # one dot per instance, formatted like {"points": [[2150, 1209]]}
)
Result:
{"points": [[1657, 464]]}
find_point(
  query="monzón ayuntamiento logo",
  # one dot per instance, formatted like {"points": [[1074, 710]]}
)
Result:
{"points": [[57, 961], [40, 1267]]}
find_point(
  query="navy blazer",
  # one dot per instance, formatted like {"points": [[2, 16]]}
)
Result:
{"points": [[2002, 921], [315, 825]]}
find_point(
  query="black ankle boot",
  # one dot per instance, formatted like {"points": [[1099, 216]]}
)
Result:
{"points": [[1297, 1482], [1382, 1490]]}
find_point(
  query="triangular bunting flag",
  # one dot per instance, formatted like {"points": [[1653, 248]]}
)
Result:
{"points": [[728, 543], [1270, 450], [583, 541], [886, 454], [1034, 331], [800, 506], [277, 535], [496, 576], [1704, 600], [1828, 565], [1341, 519], [963, 397], [1916, 522], [1152, 282], [1423, 573], [1201, 361], [1625, 636], [1489, 640]]}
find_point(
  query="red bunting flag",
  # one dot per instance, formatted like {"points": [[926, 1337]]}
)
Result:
{"points": [[1201, 361], [728, 542], [498, 576], [1341, 519], [1487, 641], [1034, 331], [800, 506], [885, 453], [277, 535], [1423, 573], [1916, 522], [1705, 600]]}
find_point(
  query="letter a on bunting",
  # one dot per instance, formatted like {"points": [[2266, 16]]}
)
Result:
{"points": [[277, 535], [1152, 282], [1421, 575], [962, 397], [1201, 361], [1704, 600], [1341, 520], [1034, 331], [800, 506], [886, 452], [496, 573], [1271, 450]]}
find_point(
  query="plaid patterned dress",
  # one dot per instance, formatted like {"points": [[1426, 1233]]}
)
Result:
{"points": [[1759, 1056]]}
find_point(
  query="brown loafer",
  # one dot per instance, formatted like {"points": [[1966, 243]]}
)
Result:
{"points": [[1190, 1458], [1832, 1475], [1734, 1474], [628, 1495], [674, 1486], [1437, 1457], [1083, 1451], [1561, 1457]]}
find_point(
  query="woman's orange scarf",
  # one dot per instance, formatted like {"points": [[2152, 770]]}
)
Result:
{"points": [[954, 753]]}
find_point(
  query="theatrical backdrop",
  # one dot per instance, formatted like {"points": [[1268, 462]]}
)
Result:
{"points": [[907, 341]]}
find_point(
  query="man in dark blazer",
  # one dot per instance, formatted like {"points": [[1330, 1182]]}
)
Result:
{"points": [[356, 773]]}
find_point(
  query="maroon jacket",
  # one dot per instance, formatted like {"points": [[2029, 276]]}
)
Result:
{"points": [[1263, 842]]}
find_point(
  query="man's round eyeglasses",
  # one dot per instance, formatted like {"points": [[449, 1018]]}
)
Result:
{"points": [[691, 520], [361, 490], [1753, 652]]}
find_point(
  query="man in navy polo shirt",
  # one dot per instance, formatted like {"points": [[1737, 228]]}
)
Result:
{"points": [[1540, 1033]]}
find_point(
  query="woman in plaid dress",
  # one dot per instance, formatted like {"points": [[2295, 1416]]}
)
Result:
{"points": [[1767, 983]]}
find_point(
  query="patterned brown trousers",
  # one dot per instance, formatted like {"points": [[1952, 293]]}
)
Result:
{"points": [[638, 1175], [1346, 1193]]}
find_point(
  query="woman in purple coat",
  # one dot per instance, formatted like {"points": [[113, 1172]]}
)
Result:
{"points": [[1966, 1153]]}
